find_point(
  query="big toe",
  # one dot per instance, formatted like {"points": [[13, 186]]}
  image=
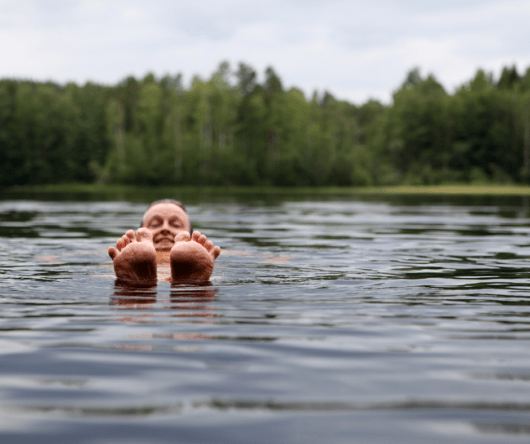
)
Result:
{"points": [[144, 235], [183, 236]]}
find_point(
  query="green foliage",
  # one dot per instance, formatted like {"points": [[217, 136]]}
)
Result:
{"points": [[232, 130], [50, 133]]}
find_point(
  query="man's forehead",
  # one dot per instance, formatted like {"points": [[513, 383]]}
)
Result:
{"points": [[165, 210]]}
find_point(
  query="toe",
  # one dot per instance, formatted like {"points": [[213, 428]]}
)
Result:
{"points": [[143, 234], [202, 239], [113, 252], [195, 235], [183, 236], [130, 234], [208, 245], [120, 244], [216, 251]]}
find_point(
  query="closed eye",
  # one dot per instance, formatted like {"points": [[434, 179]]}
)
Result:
{"points": [[154, 223]]}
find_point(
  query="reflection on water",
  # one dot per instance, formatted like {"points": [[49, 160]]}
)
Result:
{"points": [[185, 301], [390, 320]]}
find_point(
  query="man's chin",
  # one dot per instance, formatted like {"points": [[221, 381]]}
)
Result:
{"points": [[164, 245]]}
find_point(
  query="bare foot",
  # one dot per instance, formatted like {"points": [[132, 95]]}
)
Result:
{"points": [[192, 259], [135, 258]]}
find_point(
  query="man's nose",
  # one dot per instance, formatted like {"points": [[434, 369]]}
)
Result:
{"points": [[165, 226]]}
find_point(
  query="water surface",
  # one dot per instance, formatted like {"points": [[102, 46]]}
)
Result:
{"points": [[337, 320]]}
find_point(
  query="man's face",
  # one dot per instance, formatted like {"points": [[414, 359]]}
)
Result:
{"points": [[165, 220]]}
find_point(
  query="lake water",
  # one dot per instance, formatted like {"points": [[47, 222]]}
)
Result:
{"points": [[330, 320]]}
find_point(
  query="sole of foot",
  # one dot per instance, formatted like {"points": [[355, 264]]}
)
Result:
{"points": [[192, 258], [134, 258]]}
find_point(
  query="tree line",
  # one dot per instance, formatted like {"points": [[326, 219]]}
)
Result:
{"points": [[233, 130]]}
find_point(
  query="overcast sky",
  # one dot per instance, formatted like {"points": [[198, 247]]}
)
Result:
{"points": [[355, 49]]}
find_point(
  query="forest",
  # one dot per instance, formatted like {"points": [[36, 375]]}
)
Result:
{"points": [[233, 130]]}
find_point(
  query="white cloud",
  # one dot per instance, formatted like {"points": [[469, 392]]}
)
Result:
{"points": [[354, 49]]}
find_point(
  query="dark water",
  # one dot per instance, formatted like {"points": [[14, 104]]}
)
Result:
{"points": [[375, 321]]}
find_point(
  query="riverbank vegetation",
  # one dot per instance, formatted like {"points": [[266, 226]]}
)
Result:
{"points": [[170, 190], [231, 130]]}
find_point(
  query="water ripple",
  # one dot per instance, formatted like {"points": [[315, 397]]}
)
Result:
{"points": [[370, 316]]}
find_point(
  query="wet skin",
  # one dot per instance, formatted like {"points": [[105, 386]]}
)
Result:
{"points": [[164, 238]]}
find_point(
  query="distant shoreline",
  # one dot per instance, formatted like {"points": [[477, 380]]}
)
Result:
{"points": [[464, 190]]}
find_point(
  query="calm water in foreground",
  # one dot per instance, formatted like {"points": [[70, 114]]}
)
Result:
{"points": [[340, 320]]}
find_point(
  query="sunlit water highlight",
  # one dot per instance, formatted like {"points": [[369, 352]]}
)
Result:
{"points": [[329, 321]]}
